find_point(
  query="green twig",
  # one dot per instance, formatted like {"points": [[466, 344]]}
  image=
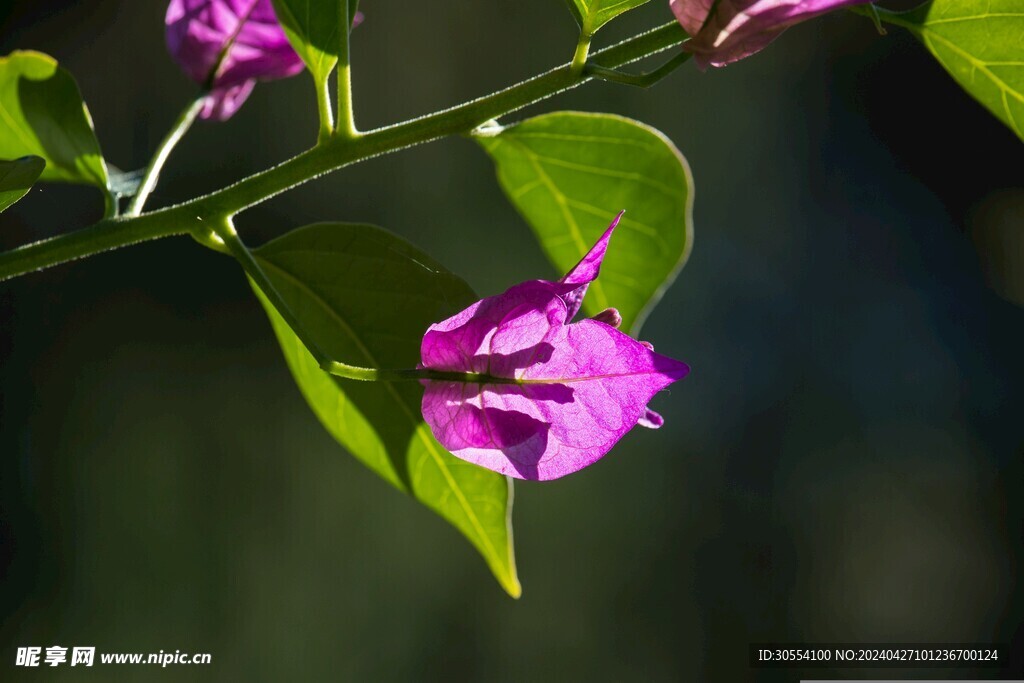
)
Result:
{"points": [[108, 234], [643, 80], [323, 103], [152, 174], [579, 57], [194, 216], [110, 203]]}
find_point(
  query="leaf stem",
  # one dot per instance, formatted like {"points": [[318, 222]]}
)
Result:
{"points": [[110, 202], [152, 174], [323, 103], [642, 80], [346, 128], [579, 57], [110, 233], [197, 215]]}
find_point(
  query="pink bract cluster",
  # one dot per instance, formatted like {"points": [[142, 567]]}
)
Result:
{"points": [[725, 31], [226, 46]]}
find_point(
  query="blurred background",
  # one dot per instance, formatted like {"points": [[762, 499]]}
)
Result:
{"points": [[844, 463]]}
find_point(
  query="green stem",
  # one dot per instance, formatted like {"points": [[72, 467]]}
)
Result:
{"points": [[197, 215], [457, 120], [579, 58], [107, 234], [152, 175], [110, 204], [323, 103], [643, 80], [346, 128]]}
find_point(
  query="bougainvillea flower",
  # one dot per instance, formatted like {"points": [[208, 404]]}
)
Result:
{"points": [[724, 31], [226, 46], [547, 396]]}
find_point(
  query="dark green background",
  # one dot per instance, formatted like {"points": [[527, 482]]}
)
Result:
{"points": [[844, 463]]}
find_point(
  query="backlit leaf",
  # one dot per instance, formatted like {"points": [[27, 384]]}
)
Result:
{"points": [[367, 297], [570, 173], [981, 44], [313, 27], [42, 114]]}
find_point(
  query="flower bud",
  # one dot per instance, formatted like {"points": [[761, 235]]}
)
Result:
{"points": [[725, 31], [226, 46]]}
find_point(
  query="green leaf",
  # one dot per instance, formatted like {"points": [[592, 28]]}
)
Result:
{"points": [[981, 44], [42, 114], [17, 178], [593, 14], [366, 297], [313, 28], [570, 173]]}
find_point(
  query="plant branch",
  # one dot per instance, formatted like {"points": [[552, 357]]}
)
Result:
{"points": [[195, 216], [107, 234], [110, 203], [152, 174], [323, 105], [457, 120]]}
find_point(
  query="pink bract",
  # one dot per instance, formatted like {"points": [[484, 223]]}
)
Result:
{"points": [[554, 396], [227, 45], [739, 28]]}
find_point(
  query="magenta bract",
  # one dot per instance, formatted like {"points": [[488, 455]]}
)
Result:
{"points": [[226, 46], [739, 28], [553, 396]]}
